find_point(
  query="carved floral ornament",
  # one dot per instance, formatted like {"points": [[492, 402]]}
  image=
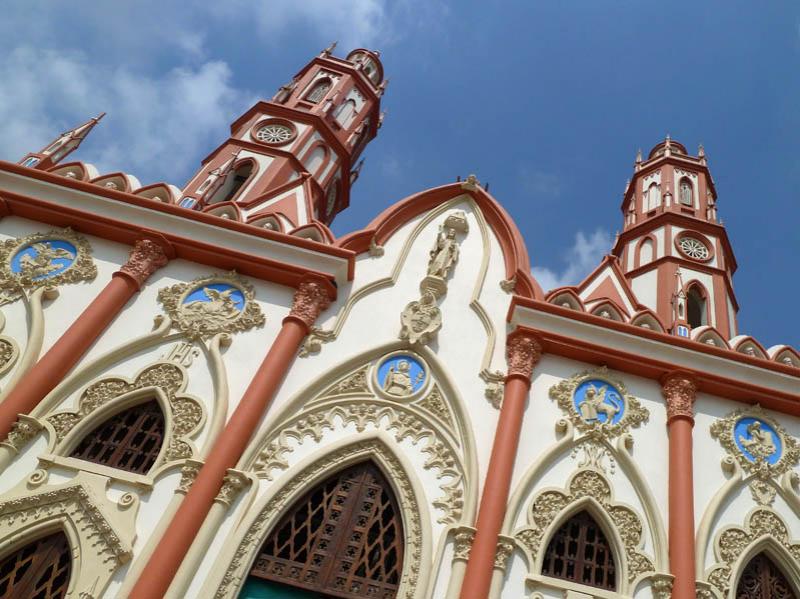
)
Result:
{"points": [[598, 405], [585, 487], [44, 260], [184, 412], [679, 391], [734, 543], [204, 307], [145, 258], [759, 443]]}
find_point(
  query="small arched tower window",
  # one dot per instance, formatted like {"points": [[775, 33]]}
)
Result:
{"points": [[696, 307], [646, 252], [653, 199], [762, 579], [579, 552], [130, 440], [346, 113], [686, 192], [233, 182], [39, 569], [318, 91], [342, 539]]}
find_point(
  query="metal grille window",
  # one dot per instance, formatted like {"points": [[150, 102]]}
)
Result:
{"points": [[319, 91], [762, 579], [342, 539], [39, 570], [129, 440], [579, 552]]}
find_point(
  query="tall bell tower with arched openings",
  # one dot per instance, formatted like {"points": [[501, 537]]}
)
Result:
{"points": [[290, 161], [673, 249]]}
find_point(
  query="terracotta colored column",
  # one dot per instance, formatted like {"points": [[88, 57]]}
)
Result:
{"points": [[522, 353], [310, 299], [145, 258], [679, 391]]}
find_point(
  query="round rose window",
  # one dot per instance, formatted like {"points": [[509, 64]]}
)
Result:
{"points": [[274, 133], [694, 248]]}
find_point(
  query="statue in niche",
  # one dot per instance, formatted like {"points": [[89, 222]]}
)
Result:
{"points": [[594, 405], [686, 193], [444, 254], [760, 444], [398, 381]]}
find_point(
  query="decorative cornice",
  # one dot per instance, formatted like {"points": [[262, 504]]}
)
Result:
{"points": [[145, 258], [310, 299], [679, 391], [523, 352]]}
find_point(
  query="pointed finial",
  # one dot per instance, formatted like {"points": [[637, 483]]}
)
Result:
{"points": [[470, 183], [98, 117], [701, 151], [329, 50], [639, 156], [381, 118]]}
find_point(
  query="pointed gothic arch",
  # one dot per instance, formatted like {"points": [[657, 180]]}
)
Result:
{"points": [[697, 308], [763, 578], [242, 551], [344, 535], [41, 568]]}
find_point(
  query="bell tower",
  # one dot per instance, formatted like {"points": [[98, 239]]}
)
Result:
{"points": [[290, 161], [674, 250]]}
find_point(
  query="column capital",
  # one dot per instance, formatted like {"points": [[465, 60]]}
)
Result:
{"points": [[680, 391], [310, 299], [523, 352], [145, 258]]}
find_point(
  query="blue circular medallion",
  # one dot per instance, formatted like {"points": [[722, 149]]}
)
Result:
{"points": [[401, 375], [44, 259], [597, 400], [221, 298], [757, 439]]}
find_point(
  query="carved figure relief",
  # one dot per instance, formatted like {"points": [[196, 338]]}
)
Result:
{"points": [[44, 259], [401, 375], [210, 305], [444, 254], [597, 405]]}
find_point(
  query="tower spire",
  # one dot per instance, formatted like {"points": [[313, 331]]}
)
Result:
{"points": [[62, 146]]}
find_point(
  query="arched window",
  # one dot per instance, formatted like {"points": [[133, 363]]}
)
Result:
{"points": [[653, 199], [346, 113], [696, 307], [40, 569], [318, 91], [686, 193], [315, 160], [579, 552], [342, 539], [129, 440], [646, 252], [762, 579], [234, 181]]}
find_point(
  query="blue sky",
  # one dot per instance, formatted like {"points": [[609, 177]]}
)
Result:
{"points": [[547, 101]]}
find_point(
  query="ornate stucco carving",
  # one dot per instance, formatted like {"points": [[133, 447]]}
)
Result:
{"points": [[421, 320], [23, 430], [463, 538], [505, 547], [44, 260], [310, 299], [145, 258], [204, 307], [550, 506], [435, 404], [733, 542], [259, 526], [598, 405], [189, 472], [523, 352], [495, 384], [679, 391], [233, 482], [184, 414]]}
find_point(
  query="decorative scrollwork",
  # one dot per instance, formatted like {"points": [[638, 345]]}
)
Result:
{"points": [[44, 259], [733, 541], [598, 405], [186, 413], [550, 504], [220, 303]]}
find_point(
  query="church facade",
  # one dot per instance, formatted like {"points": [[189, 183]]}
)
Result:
{"points": [[205, 393]]}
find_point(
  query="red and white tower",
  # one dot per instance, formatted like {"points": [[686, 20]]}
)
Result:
{"points": [[673, 250], [59, 148], [288, 163]]}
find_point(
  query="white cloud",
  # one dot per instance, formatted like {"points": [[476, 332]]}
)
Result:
{"points": [[542, 184], [584, 255], [155, 124]]}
